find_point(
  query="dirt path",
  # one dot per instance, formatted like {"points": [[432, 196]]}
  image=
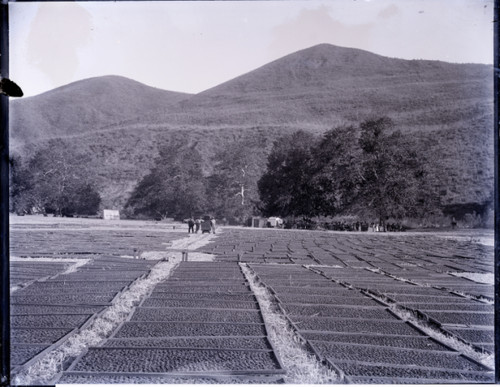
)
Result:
{"points": [[191, 242]]}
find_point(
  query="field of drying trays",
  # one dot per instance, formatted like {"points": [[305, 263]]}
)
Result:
{"points": [[96, 301]]}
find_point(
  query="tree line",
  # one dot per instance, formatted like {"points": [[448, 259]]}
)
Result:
{"points": [[370, 170], [177, 186], [54, 181]]}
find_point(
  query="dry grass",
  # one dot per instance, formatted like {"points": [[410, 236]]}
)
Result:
{"points": [[301, 366], [310, 267], [200, 257], [482, 299], [482, 278], [154, 255], [192, 242], [74, 268]]}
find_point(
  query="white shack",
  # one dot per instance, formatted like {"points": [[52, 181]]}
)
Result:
{"points": [[257, 221], [111, 215]]}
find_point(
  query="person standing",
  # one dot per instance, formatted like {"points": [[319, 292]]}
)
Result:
{"points": [[190, 225], [197, 224], [212, 224]]}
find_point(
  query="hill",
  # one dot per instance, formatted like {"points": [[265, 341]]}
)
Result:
{"points": [[447, 107], [84, 107], [325, 84]]}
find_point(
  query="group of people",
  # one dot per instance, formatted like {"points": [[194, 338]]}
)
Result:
{"points": [[363, 226], [309, 224], [206, 225]]}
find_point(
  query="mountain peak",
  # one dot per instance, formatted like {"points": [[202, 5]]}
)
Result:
{"points": [[85, 106], [103, 84], [315, 66]]}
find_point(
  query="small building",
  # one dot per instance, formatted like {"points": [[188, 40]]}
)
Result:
{"points": [[258, 221], [111, 215], [274, 222]]}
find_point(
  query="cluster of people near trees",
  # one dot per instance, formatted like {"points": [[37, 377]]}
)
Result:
{"points": [[207, 225], [309, 224], [364, 226]]}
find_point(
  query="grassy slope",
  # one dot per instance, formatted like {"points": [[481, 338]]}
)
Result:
{"points": [[447, 107], [84, 107]]}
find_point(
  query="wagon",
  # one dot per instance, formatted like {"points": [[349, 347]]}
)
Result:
{"points": [[206, 226]]}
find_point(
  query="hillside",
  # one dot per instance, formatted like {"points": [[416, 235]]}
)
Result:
{"points": [[83, 107], [121, 123], [325, 84]]}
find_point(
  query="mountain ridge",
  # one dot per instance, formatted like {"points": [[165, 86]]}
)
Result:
{"points": [[315, 89], [84, 105]]}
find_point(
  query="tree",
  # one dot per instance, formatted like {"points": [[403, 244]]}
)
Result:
{"points": [[174, 187], [392, 179], [21, 185], [55, 180], [336, 169], [233, 184], [86, 200], [372, 171], [285, 188]]}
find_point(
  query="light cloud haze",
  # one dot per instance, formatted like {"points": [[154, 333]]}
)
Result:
{"points": [[192, 46]]}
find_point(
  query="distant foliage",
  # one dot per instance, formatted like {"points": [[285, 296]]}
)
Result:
{"points": [[286, 187], [371, 171], [22, 198], [174, 187], [337, 169], [392, 180], [232, 186], [178, 186], [56, 181]]}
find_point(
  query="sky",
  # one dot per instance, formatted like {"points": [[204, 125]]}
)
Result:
{"points": [[191, 46]]}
